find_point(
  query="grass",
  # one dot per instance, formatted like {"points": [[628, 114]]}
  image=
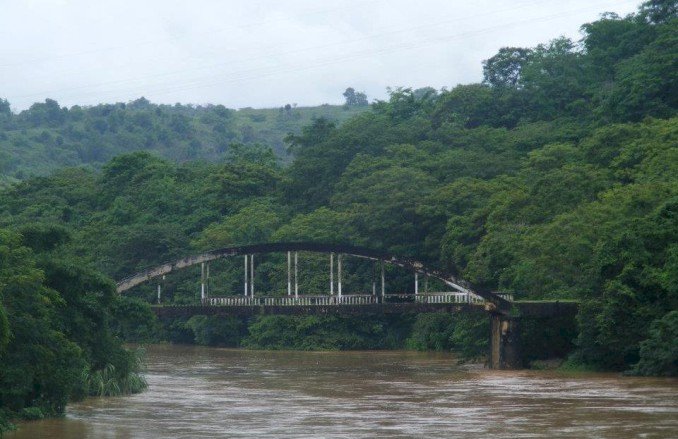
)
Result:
{"points": [[108, 382]]}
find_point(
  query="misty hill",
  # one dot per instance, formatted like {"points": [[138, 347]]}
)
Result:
{"points": [[47, 136]]}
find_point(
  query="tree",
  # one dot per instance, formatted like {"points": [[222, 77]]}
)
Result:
{"points": [[5, 107], [609, 41], [361, 99], [467, 106], [505, 68], [349, 94], [48, 113], [659, 352], [354, 99], [647, 83], [658, 11], [254, 223]]}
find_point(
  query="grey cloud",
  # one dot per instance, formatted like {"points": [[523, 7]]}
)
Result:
{"points": [[263, 53]]}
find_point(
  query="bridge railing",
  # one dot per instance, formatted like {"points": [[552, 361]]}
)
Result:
{"points": [[441, 297], [290, 301], [352, 299]]}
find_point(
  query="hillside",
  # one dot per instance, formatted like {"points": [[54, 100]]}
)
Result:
{"points": [[47, 136]]}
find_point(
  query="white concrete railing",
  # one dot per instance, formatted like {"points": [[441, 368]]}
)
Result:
{"points": [[442, 297], [353, 299], [290, 300]]}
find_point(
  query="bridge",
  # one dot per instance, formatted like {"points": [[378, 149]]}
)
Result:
{"points": [[461, 296]]}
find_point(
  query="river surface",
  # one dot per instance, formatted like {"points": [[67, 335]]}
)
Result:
{"points": [[199, 392]]}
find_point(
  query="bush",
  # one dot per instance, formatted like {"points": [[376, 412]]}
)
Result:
{"points": [[432, 332], [466, 334], [327, 333], [5, 422], [31, 414], [133, 320], [659, 352], [110, 380], [216, 331]]}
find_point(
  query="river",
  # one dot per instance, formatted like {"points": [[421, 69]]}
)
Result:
{"points": [[207, 392]]}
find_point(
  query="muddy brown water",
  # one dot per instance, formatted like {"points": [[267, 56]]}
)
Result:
{"points": [[199, 392]]}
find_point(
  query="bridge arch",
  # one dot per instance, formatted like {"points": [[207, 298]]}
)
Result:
{"points": [[279, 247]]}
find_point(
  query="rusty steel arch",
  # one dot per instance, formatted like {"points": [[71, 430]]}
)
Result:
{"points": [[279, 247]]}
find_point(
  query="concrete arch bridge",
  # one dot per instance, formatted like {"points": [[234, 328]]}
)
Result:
{"points": [[461, 296]]}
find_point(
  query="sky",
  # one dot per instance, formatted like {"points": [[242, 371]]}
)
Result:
{"points": [[264, 53]]}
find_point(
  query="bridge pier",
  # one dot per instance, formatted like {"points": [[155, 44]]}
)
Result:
{"points": [[504, 343]]}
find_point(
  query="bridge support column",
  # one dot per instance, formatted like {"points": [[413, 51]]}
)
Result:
{"points": [[339, 274], [374, 280], [202, 281], [246, 276], [296, 272], [289, 273], [504, 343], [252, 276], [332, 274], [383, 281]]}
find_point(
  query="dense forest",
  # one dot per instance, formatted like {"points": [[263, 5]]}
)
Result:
{"points": [[47, 137], [556, 177]]}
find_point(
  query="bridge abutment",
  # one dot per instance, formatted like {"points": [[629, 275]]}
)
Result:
{"points": [[504, 343]]}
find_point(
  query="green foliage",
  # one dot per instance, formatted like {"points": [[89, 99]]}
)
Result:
{"points": [[4, 329], [47, 136], [133, 320], [659, 352], [647, 82], [432, 332], [39, 366], [252, 224], [470, 338], [54, 326], [326, 333], [109, 381], [44, 237], [461, 333], [355, 99], [177, 331], [216, 330], [5, 422], [31, 414]]}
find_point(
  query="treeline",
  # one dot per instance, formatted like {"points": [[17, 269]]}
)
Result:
{"points": [[56, 343], [48, 136], [464, 333], [556, 177]]}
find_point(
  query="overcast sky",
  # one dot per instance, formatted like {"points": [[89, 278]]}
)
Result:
{"points": [[263, 53]]}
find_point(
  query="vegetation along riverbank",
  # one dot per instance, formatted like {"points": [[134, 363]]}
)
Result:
{"points": [[556, 177]]}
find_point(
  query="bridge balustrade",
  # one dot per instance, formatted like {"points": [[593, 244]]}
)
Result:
{"points": [[352, 299], [290, 301], [441, 297]]}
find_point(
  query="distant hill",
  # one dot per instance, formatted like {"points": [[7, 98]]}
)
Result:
{"points": [[47, 136]]}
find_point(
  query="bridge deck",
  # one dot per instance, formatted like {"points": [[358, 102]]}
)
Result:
{"points": [[350, 299], [524, 309], [329, 310]]}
